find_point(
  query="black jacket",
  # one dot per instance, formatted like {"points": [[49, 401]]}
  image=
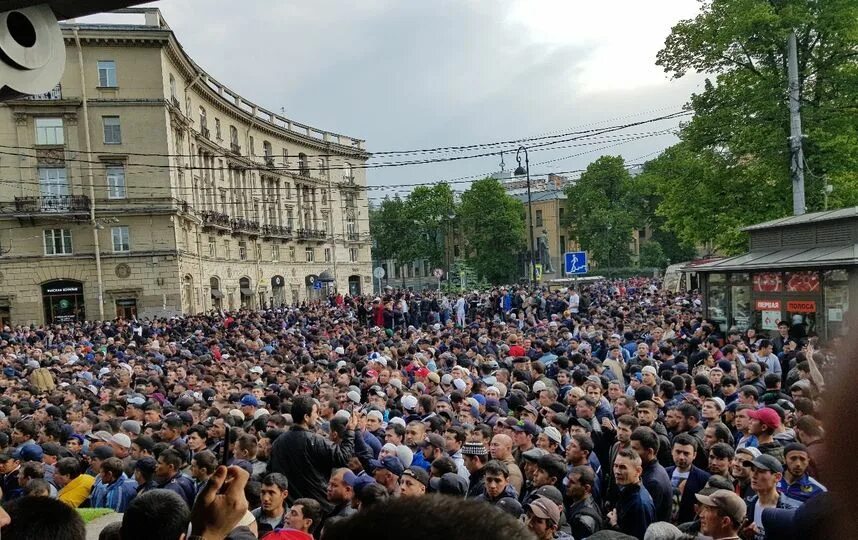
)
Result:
{"points": [[635, 510], [476, 484], [306, 459], [656, 480], [697, 479], [584, 518]]}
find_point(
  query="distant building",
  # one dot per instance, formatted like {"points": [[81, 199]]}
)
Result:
{"points": [[202, 198]]}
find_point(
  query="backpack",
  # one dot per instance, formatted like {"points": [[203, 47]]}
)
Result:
{"points": [[42, 379]]}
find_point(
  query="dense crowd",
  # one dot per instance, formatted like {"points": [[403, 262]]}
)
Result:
{"points": [[617, 409]]}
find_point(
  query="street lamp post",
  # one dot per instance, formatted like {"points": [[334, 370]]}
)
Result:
{"points": [[525, 171]]}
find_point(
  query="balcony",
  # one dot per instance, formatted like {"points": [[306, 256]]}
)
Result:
{"points": [[311, 234], [235, 148], [269, 162], [276, 231], [175, 101], [53, 204], [353, 236], [216, 221], [54, 94], [205, 132], [304, 170], [246, 226]]}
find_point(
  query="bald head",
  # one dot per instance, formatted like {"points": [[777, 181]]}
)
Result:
{"points": [[501, 446]]}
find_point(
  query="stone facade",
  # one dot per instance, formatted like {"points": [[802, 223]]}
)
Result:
{"points": [[197, 197]]}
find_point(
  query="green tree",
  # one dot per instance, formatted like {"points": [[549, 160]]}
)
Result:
{"points": [[429, 212], [737, 142], [602, 213], [652, 255], [388, 224], [493, 223]]}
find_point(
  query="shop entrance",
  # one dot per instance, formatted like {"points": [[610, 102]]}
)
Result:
{"points": [[63, 301], [126, 308]]}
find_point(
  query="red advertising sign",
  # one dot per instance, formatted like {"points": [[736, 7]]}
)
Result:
{"points": [[768, 282], [768, 305], [801, 306], [802, 281]]}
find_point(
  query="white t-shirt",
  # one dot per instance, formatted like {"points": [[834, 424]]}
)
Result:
{"points": [[574, 300]]}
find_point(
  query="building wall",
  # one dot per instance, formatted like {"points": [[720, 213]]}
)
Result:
{"points": [[178, 173]]}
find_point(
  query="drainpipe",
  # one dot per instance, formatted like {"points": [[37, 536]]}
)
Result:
{"points": [[91, 176]]}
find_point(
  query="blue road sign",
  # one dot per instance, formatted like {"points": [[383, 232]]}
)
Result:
{"points": [[317, 285], [575, 262]]}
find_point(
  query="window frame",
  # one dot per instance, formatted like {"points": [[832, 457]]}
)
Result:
{"points": [[118, 127], [112, 187], [309, 254], [46, 129], [109, 67], [65, 238], [127, 240]]}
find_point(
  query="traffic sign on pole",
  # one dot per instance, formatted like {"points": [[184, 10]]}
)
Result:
{"points": [[575, 262]]}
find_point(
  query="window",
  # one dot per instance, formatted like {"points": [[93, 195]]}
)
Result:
{"points": [[347, 172], [267, 150], [258, 252], [321, 166], [112, 130], [121, 239], [212, 247], [285, 157], [203, 119], [327, 254], [353, 254], [325, 196], [172, 86], [58, 242], [303, 165], [217, 128], [107, 74], [252, 148], [115, 182], [310, 254], [287, 191], [539, 218], [233, 134], [53, 182], [242, 250], [292, 253], [49, 131], [226, 250], [275, 252]]}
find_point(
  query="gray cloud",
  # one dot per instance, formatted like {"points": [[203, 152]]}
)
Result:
{"points": [[410, 75]]}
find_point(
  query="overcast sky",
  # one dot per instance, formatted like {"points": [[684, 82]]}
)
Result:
{"points": [[422, 74]]}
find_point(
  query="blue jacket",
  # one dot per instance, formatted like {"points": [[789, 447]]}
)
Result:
{"points": [[697, 479], [183, 487], [635, 510], [115, 495], [657, 482]]}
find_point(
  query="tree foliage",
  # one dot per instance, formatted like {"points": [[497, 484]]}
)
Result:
{"points": [[414, 228], [493, 223], [602, 214], [652, 255], [732, 166]]}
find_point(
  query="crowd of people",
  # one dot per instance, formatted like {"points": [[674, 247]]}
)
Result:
{"points": [[616, 410]]}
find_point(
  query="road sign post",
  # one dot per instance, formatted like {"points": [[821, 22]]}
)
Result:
{"points": [[378, 273], [575, 263]]}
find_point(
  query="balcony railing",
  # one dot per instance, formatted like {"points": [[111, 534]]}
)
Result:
{"points": [[52, 204], [303, 170], [241, 225], [269, 161], [55, 93], [311, 234], [175, 101], [216, 220], [276, 231], [206, 133], [353, 236], [235, 148]]}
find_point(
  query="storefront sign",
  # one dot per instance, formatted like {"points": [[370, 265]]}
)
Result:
{"points": [[767, 305], [835, 315], [770, 319], [801, 306]]}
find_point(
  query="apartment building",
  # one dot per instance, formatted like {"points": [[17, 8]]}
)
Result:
{"points": [[142, 186]]}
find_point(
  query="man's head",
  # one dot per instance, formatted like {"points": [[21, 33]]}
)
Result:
{"points": [[305, 411], [766, 472], [42, 517], [797, 459], [155, 514], [645, 442], [501, 446], [305, 515], [169, 464], [627, 467], [550, 469], [414, 482], [763, 421], [720, 458], [580, 482], [721, 513], [738, 470], [684, 451], [496, 478], [273, 493], [543, 517]]}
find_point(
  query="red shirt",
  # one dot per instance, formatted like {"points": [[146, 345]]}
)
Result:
{"points": [[517, 350]]}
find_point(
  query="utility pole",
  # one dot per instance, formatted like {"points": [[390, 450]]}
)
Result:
{"points": [[795, 139]]}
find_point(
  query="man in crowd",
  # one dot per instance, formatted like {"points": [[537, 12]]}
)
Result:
{"points": [[272, 512], [635, 510]]}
